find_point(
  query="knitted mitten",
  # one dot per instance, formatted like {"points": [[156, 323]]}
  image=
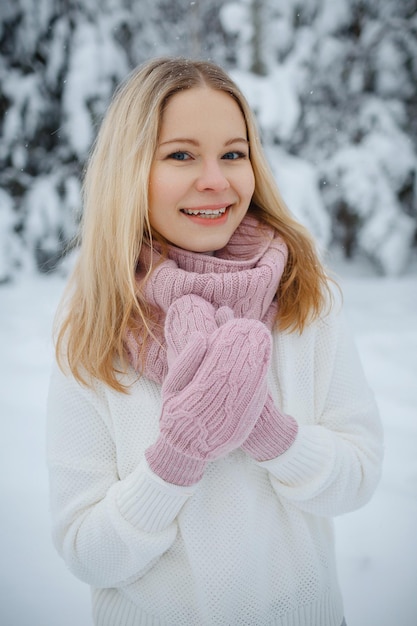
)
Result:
{"points": [[211, 399], [187, 315], [273, 434]]}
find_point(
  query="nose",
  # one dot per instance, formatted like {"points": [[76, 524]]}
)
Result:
{"points": [[211, 177]]}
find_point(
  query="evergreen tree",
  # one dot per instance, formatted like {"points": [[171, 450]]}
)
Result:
{"points": [[358, 127], [333, 85], [60, 62], [339, 99]]}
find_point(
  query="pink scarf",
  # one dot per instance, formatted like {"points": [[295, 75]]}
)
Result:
{"points": [[244, 276]]}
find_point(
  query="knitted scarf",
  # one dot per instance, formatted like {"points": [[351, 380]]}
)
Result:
{"points": [[243, 276]]}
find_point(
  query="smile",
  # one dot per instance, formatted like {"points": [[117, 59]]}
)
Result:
{"points": [[206, 212]]}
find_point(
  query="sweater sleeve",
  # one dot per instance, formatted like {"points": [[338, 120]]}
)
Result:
{"points": [[334, 465], [110, 531]]}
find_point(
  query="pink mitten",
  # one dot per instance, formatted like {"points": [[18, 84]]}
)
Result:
{"points": [[187, 315], [273, 434], [211, 399]]}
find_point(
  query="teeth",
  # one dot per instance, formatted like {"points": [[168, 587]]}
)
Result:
{"points": [[208, 212]]}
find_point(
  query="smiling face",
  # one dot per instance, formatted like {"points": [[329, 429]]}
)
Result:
{"points": [[201, 180]]}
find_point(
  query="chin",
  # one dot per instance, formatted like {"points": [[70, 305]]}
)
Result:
{"points": [[209, 248]]}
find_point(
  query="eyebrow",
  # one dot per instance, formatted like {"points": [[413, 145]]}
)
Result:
{"points": [[193, 142]]}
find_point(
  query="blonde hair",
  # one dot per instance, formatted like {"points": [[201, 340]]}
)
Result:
{"points": [[102, 300]]}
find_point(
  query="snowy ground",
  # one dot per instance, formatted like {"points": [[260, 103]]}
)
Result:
{"points": [[377, 545]]}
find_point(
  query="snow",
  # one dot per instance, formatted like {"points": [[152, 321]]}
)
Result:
{"points": [[8, 253], [377, 545], [338, 97], [24, 92], [367, 178], [299, 187], [274, 101], [95, 64]]}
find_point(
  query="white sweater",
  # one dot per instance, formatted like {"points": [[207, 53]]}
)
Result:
{"points": [[252, 543]]}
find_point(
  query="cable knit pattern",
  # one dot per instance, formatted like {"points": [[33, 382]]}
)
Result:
{"points": [[211, 399], [243, 276], [273, 432], [188, 315], [248, 545]]}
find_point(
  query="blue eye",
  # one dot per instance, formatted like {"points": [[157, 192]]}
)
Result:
{"points": [[232, 156], [179, 156]]}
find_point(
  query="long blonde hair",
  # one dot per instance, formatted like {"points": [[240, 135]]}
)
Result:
{"points": [[102, 299]]}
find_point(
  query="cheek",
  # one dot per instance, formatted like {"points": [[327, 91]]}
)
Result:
{"points": [[248, 183], [164, 186], [158, 192]]}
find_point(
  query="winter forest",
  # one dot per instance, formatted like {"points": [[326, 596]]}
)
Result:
{"points": [[333, 85]]}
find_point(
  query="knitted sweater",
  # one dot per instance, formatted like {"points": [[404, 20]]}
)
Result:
{"points": [[250, 544]]}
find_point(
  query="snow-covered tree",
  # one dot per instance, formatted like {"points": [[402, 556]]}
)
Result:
{"points": [[59, 65], [340, 93], [54, 87], [333, 85], [358, 125]]}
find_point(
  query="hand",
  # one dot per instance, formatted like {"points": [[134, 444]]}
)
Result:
{"points": [[188, 315], [211, 399], [274, 432], [272, 435]]}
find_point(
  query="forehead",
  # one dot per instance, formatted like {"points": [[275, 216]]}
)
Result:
{"points": [[202, 107]]}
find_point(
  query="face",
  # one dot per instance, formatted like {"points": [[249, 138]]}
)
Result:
{"points": [[201, 180]]}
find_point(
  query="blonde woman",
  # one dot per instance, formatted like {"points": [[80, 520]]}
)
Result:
{"points": [[208, 415]]}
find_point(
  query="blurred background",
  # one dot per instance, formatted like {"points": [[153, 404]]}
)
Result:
{"points": [[334, 86]]}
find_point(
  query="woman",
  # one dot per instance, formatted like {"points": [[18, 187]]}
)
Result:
{"points": [[209, 416]]}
